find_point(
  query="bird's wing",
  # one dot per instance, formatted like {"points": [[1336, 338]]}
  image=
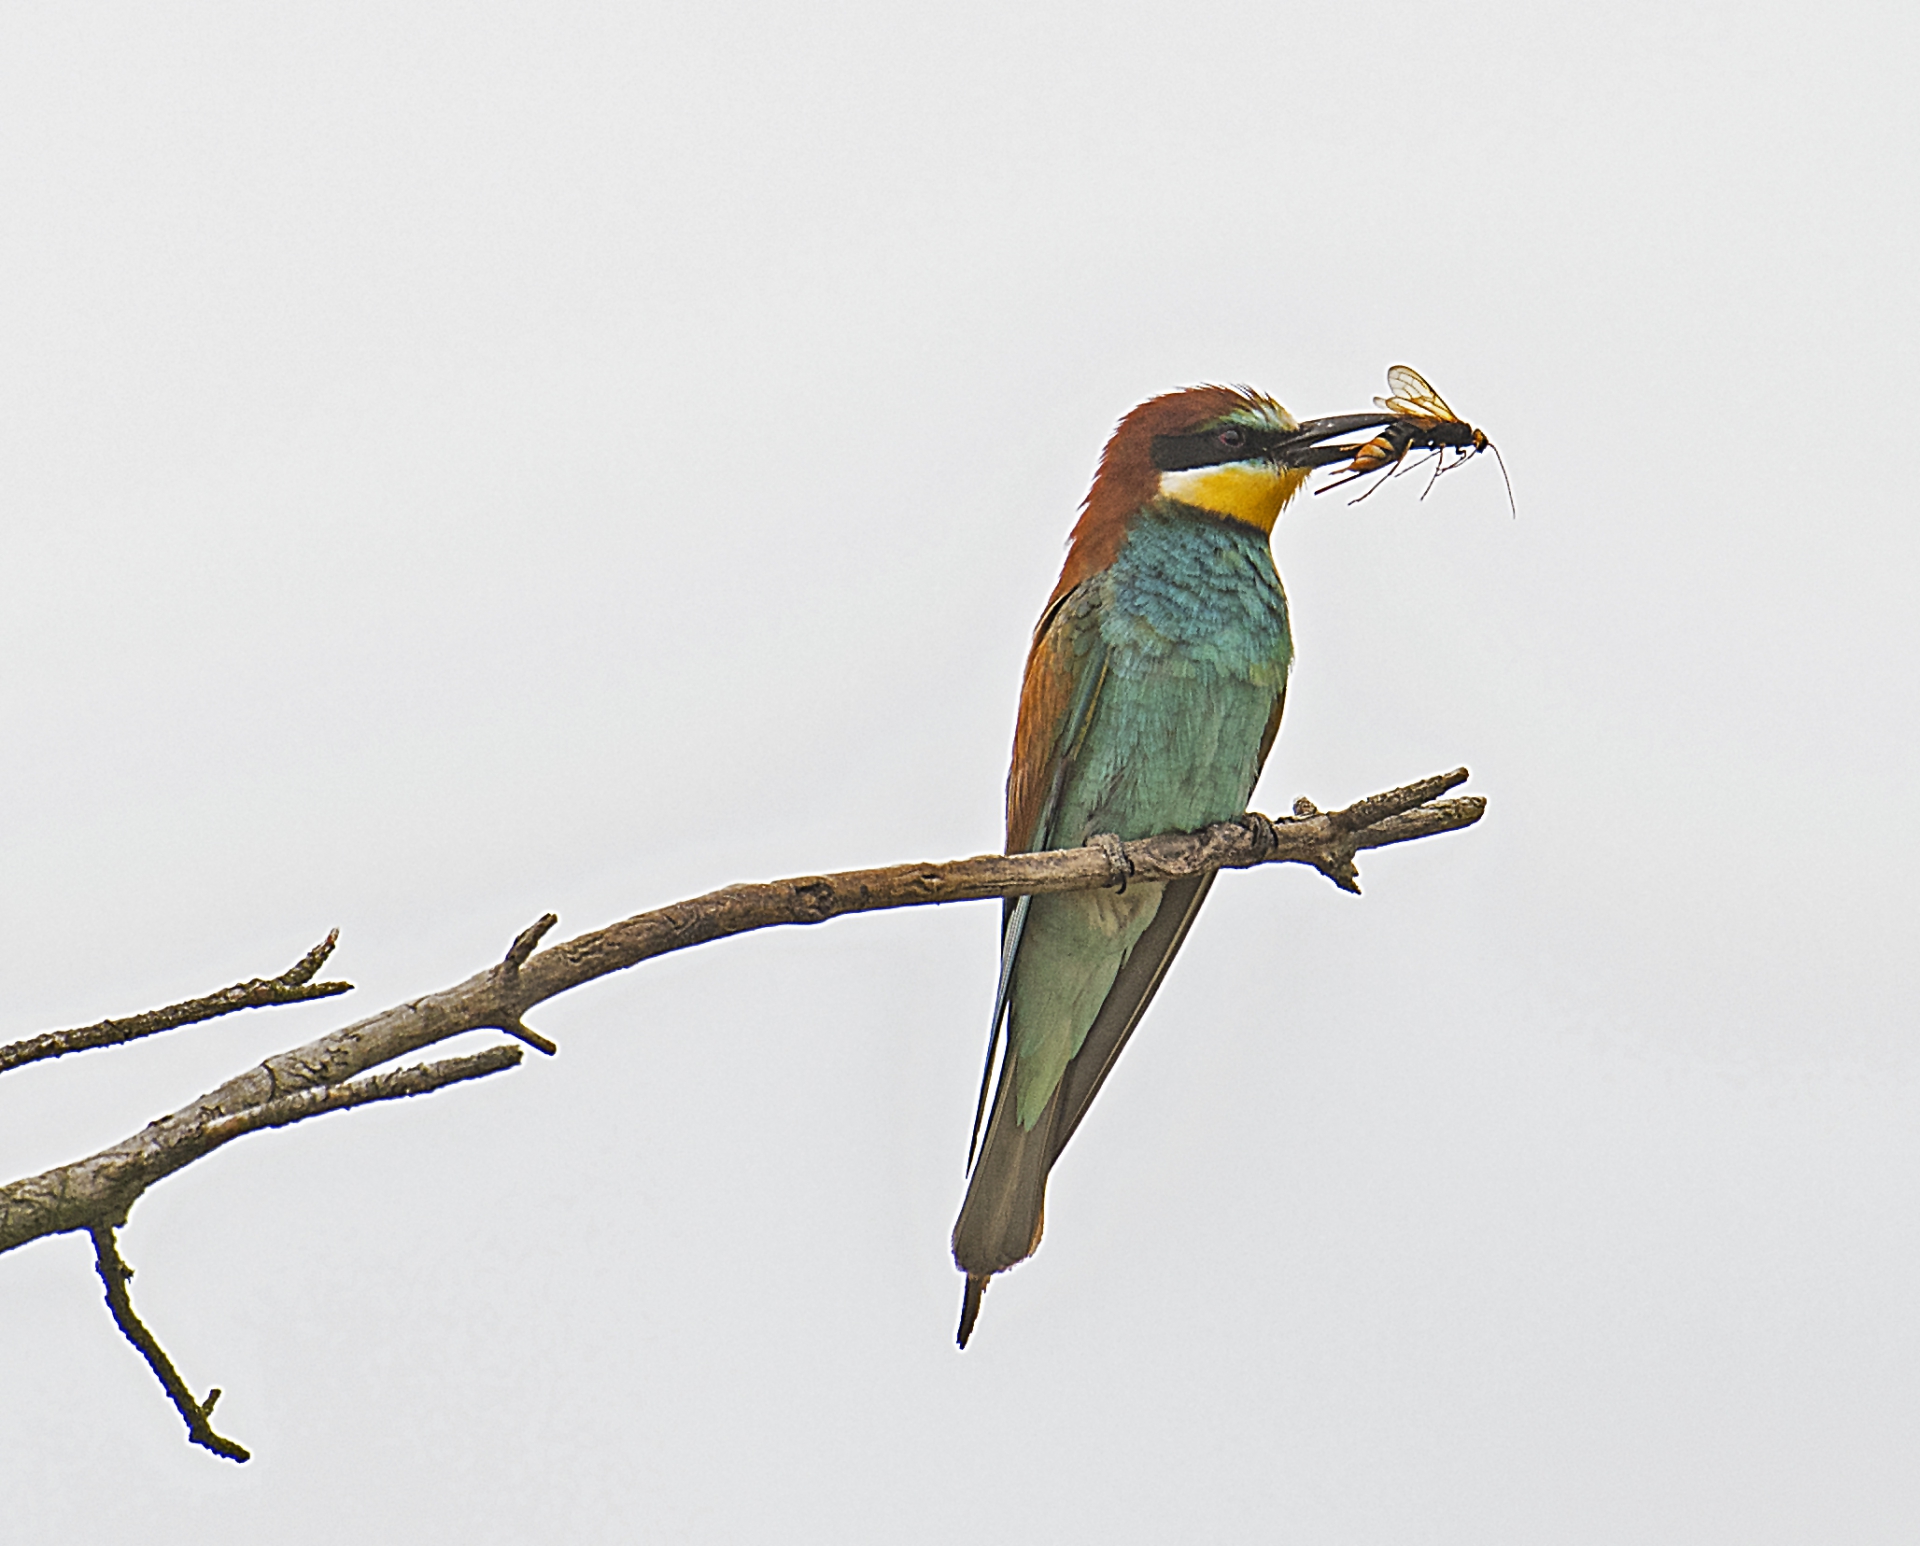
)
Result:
{"points": [[1126, 1002], [1139, 979], [1065, 672]]}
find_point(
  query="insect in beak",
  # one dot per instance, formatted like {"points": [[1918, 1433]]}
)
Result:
{"points": [[1421, 421]]}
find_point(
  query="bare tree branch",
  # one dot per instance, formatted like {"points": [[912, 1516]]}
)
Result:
{"points": [[395, 1084], [95, 1194], [293, 986], [115, 1274], [100, 1189]]}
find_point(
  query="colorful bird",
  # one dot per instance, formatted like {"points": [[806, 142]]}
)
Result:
{"points": [[1152, 695]]}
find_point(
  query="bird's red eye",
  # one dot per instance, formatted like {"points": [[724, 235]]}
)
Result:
{"points": [[1232, 439]]}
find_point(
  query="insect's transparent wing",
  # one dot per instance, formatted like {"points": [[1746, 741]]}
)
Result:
{"points": [[1413, 396]]}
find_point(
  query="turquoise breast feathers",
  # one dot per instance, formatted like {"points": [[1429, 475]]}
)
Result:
{"points": [[1193, 625]]}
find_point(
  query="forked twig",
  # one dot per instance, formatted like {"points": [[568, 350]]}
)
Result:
{"points": [[293, 986]]}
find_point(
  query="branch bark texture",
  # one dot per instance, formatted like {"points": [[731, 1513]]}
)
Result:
{"points": [[293, 986], [324, 1074]]}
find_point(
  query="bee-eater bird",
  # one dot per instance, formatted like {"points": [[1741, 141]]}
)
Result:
{"points": [[1152, 695]]}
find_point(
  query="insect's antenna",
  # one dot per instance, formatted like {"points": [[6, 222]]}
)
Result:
{"points": [[1511, 506]]}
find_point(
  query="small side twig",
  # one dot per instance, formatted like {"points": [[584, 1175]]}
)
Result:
{"points": [[114, 1275], [293, 986], [396, 1084], [507, 976], [1377, 808], [1382, 819]]}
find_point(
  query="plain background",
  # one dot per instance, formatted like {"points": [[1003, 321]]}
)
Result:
{"points": [[461, 461]]}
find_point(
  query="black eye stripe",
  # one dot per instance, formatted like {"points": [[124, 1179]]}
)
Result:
{"points": [[1202, 448]]}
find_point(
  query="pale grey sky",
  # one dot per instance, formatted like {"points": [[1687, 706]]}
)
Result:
{"points": [[461, 461]]}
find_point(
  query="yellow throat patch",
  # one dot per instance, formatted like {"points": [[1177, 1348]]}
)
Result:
{"points": [[1253, 492]]}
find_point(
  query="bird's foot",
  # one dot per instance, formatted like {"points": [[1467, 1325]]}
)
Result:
{"points": [[1260, 828], [1119, 866]]}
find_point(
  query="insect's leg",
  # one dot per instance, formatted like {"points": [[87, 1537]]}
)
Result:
{"points": [[1380, 482], [1399, 466], [1328, 488]]}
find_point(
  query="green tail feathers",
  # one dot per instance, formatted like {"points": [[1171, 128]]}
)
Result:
{"points": [[1005, 1209]]}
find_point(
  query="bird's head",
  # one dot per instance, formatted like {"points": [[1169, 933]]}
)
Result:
{"points": [[1229, 451], [1219, 449]]}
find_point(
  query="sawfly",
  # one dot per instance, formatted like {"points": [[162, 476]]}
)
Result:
{"points": [[1422, 421]]}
